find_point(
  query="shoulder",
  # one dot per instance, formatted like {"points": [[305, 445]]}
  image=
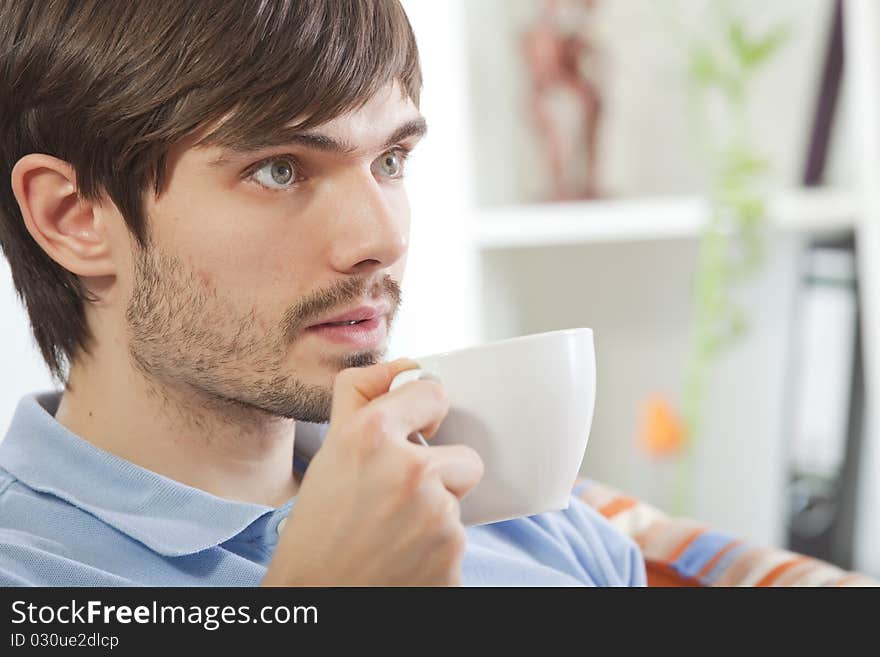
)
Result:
{"points": [[23, 547], [38, 533], [22, 507]]}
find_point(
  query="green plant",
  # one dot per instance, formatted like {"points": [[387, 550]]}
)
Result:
{"points": [[722, 67]]}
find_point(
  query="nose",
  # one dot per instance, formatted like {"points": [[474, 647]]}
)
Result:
{"points": [[372, 226]]}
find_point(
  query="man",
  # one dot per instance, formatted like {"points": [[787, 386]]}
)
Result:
{"points": [[204, 213]]}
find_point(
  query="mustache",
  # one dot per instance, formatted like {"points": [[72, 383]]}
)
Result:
{"points": [[310, 308]]}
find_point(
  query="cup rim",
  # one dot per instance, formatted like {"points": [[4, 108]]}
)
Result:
{"points": [[506, 341]]}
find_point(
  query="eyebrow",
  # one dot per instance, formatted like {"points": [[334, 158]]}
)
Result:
{"points": [[319, 142]]}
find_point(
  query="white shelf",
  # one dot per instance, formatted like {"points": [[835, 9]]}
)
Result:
{"points": [[550, 224]]}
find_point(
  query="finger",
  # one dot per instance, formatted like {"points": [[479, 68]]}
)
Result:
{"points": [[459, 467], [355, 387], [414, 406], [431, 430]]}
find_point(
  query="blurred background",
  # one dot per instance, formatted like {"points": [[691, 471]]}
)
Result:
{"points": [[692, 179]]}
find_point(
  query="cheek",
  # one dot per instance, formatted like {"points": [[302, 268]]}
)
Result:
{"points": [[398, 201], [234, 244], [401, 207], [266, 279]]}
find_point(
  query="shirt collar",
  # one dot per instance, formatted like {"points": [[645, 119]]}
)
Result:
{"points": [[169, 517]]}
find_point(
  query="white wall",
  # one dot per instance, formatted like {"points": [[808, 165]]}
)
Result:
{"points": [[439, 309]]}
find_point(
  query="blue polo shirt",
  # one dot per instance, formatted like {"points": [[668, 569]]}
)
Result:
{"points": [[74, 515]]}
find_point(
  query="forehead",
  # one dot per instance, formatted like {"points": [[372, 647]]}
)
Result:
{"points": [[386, 117], [386, 109]]}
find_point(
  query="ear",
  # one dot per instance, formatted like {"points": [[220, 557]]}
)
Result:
{"points": [[69, 229]]}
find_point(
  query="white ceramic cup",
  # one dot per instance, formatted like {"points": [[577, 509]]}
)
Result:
{"points": [[525, 405]]}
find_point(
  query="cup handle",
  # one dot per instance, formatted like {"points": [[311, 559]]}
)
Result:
{"points": [[405, 377]]}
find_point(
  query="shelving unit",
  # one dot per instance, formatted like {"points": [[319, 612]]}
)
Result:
{"points": [[551, 224]]}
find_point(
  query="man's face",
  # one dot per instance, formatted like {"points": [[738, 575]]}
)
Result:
{"points": [[248, 251]]}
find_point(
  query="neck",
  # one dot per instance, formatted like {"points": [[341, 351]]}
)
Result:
{"points": [[227, 450]]}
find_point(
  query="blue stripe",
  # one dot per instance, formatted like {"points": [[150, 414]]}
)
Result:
{"points": [[700, 552], [724, 563]]}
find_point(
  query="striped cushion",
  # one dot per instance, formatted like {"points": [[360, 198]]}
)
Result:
{"points": [[683, 552]]}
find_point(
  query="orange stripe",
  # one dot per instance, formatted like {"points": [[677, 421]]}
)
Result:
{"points": [[800, 574], [770, 577], [617, 506], [714, 561], [846, 579], [662, 575], [744, 563], [684, 545], [668, 539]]}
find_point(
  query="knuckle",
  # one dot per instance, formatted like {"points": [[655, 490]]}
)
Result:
{"points": [[439, 393], [373, 429], [458, 540], [445, 523], [454, 542], [377, 422], [450, 514], [415, 471]]}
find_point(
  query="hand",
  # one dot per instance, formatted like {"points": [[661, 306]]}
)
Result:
{"points": [[375, 509]]}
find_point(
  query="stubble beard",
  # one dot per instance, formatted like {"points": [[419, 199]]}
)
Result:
{"points": [[184, 335]]}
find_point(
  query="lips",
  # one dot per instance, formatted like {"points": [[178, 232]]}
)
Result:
{"points": [[364, 328], [353, 317]]}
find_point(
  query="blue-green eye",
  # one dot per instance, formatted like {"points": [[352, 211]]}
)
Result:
{"points": [[277, 173], [390, 164]]}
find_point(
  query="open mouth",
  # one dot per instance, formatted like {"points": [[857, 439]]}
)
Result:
{"points": [[350, 323], [367, 333]]}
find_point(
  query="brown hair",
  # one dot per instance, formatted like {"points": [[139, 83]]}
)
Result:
{"points": [[111, 86]]}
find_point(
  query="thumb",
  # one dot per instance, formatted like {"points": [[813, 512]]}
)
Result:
{"points": [[355, 387]]}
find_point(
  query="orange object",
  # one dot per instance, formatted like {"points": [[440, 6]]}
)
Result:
{"points": [[663, 432]]}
